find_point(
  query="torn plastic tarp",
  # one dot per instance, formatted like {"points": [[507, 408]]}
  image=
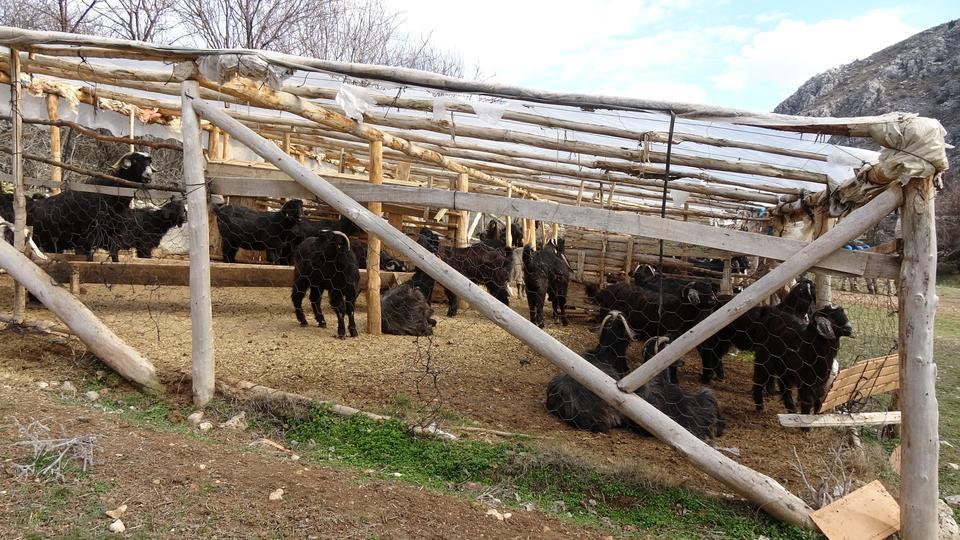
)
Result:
{"points": [[354, 101], [224, 67], [488, 113], [679, 197]]}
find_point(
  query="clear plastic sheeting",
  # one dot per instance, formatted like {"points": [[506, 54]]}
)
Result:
{"points": [[679, 197], [354, 101], [224, 67], [488, 113], [913, 148]]}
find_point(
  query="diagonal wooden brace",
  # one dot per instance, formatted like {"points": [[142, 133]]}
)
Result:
{"points": [[851, 227]]}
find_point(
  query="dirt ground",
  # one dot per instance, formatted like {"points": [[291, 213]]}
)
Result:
{"points": [[485, 377], [214, 486]]}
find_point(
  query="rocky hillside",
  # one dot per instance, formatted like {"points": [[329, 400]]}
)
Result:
{"points": [[920, 74]]}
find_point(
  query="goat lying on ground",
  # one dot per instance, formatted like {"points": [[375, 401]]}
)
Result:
{"points": [[405, 310], [326, 263], [241, 227]]}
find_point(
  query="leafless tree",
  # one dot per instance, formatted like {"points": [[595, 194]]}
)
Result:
{"points": [[249, 24], [140, 20], [75, 16]]}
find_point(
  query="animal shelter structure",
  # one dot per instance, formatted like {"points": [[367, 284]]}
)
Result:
{"points": [[629, 181]]}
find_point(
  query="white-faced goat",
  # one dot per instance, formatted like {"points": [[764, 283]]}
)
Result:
{"points": [[326, 263], [405, 310]]}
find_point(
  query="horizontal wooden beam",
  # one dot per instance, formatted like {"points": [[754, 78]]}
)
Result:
{"points": [[151, 194], [177, 273], [856, 263], [839, 420]]}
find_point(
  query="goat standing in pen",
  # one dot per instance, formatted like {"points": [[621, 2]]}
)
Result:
{"points": [[546, 274], [483, 264], [241, 227], [326, 262]]}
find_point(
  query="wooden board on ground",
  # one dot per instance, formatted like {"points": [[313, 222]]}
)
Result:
{"points": [[869, 513], [839, 420], [864, 379], [177, 273]]}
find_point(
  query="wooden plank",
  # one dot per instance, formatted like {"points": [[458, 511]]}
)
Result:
{"points": [[842, 261], [863, 379], [839, 420], [869, 513], [375, 170], [154, 272]]}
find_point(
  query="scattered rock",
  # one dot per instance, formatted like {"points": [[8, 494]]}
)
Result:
{"points": [[117, 512], [205, 426], [953, 500], [203, 467], [953, 466], [68, 388], [496, 513], [92, 395], [156, 481], [117, 527], [398, 475], [195, 418], [237, 422], [949, 530], [276, 494], [43, 385], [99, 374], [473, 486]]}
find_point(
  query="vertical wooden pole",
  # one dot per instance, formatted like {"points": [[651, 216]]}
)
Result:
{"points": [[133, 120], [375, 170], [56, 148], [580, 194], [726, 282], [918, 370], [213, 144], [287, 144], [19, 195], [463, 223], [225, 151], [201, 312], [427, 211], [555, 233], [341, 164], [822, 281], [509, 231]]}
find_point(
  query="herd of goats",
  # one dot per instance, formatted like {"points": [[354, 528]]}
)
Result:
{"points": [[795, 345]]}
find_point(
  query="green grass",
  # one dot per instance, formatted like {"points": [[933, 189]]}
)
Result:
{"points": [[947, 354], [526, 476]]}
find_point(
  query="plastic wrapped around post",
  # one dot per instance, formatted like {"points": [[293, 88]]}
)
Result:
{"points": [[223, 68], [355, 101], [679, 197]]}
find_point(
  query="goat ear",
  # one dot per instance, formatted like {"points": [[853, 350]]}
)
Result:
{"points": [[824, 327], [693, 296]]}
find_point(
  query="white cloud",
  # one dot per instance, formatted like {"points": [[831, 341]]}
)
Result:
{"points": [[791, 53]]}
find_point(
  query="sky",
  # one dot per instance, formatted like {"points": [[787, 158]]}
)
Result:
{"points": [[749, 54]]}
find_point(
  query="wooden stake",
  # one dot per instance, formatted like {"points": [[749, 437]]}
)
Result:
{"points": [[375, 171], [822, 224], [726, 282], [19, 195], [509, 231], [555, 232], [213, 144], [463, 223], [760, 489], [201, 311], [56, 173], [133, 119], [100, 340], [853, 226], [918, 369]]}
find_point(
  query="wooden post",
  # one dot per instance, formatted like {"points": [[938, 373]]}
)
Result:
{"points": [[225, 151], [853, 226], [758, 488], [726, 282], [555, 232], [341, 164], [213, 144], [918, 369], [133, 120], [100, 340], [628, 259], [16, 170], [375, 170], [427, 210], [201, 311], [509, 230], [287, 144], [463, 223], [822, 280], [56, 150]]}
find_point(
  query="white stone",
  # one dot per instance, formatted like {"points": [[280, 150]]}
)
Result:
{"points": [[68, 388], [117, 512], [117, 527], [195, 418], [948, 525], [953, 500], [205, 426], [953, 466], [276, 494], [92, 395], [238, 422], [42, 385]]}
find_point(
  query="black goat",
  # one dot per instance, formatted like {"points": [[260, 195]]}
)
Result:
{"points": [[241, 227], [749, 329], [799, 354], [698, 413], [307, 228], [487, 265], [80, 220], [144, 228], [322, 263], [387, 262], [405, 308], [680, 311], [545, 273], [578, 406], [739, 264], [496, 235]]}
